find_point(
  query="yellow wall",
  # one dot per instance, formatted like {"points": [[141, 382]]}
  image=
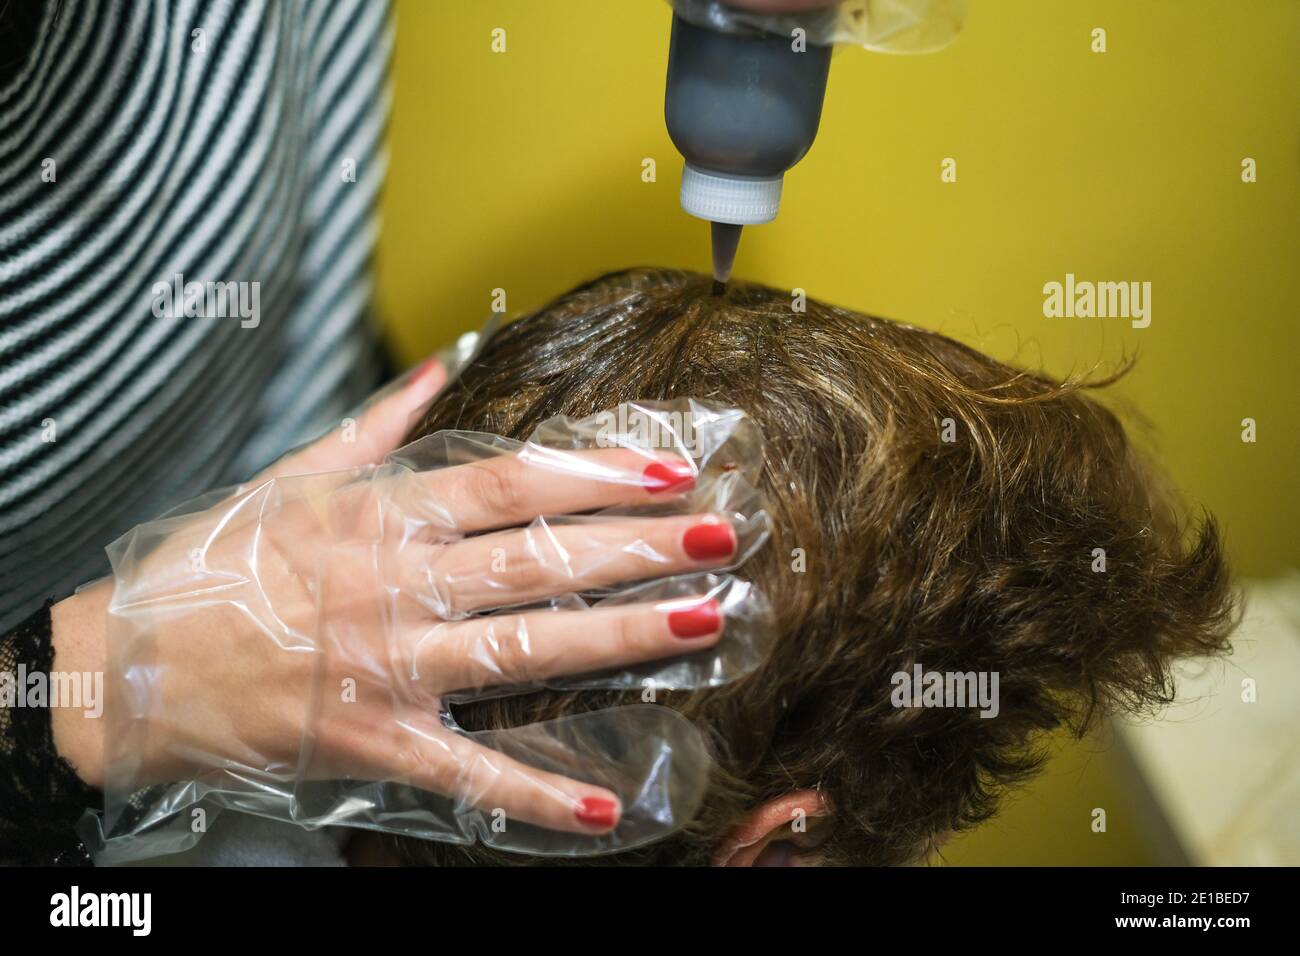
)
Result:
{"points": [[522, 170]]}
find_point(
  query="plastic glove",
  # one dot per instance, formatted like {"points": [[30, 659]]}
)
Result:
{"points": [[291, 649]]}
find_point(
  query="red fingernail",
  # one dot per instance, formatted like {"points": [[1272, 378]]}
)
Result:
{"points": [[427, 368], [660, 477], [708, 542], [695, 621], [597, 812]]}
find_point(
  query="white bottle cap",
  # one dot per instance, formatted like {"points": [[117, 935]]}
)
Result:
{"points": [[739, 200]]}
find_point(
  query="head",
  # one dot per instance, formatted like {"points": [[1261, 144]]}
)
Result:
{"points": [[930, 506]]}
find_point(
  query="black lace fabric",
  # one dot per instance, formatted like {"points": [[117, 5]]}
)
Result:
{"points": [[41, 796]]}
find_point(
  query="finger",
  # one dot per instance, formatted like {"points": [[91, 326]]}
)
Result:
{"points": [[515, 489], [512, 649], [444, 762], [377, 430], [490, 781], [519, 567]]}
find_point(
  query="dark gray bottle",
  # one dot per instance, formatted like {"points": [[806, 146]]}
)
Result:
{"points": [[742, 107]]}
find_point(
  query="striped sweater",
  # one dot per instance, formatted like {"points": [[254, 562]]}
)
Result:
{"points": [[226, 150]]}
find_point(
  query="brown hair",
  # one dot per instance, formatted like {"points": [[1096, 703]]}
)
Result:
{"points": [[975, 554]]}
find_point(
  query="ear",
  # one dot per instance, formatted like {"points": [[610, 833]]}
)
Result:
{"points": [[775, 834]]}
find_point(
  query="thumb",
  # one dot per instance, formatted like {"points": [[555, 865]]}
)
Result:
{"points": [[383, 422]]}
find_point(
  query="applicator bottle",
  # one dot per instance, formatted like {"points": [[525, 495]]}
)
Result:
{"points": [[745, 93], [742, 107]]}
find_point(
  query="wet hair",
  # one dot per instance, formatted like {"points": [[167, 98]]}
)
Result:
{"points": [[978, 553]]}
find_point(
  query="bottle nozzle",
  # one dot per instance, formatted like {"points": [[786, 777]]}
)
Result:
{"points": [[726, 240]]}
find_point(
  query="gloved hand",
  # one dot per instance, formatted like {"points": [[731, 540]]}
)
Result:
{"points": [[291, 648]]}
